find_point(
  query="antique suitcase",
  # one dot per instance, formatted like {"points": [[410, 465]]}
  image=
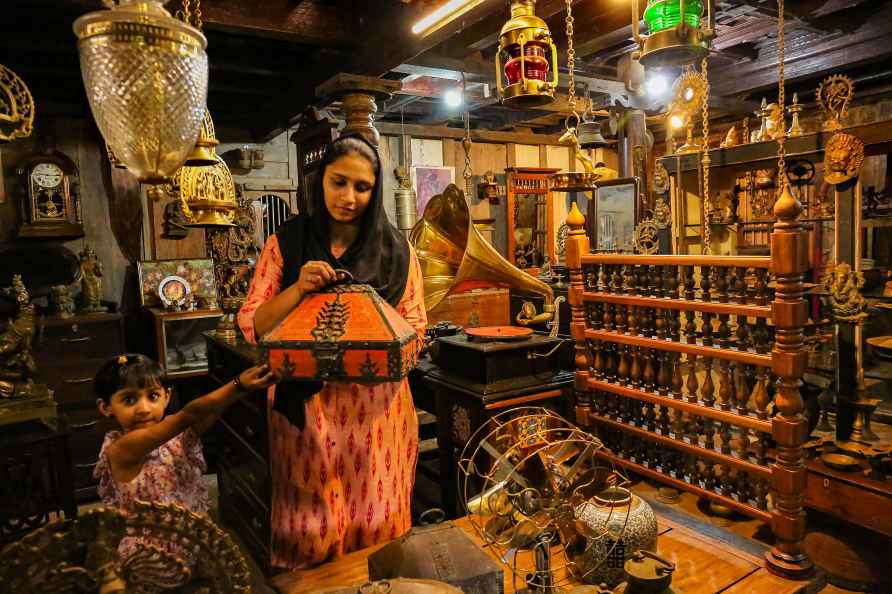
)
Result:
{"points": [[441, 552], [480, 307], [346, 333]]}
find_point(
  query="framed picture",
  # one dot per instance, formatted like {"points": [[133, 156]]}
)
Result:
{"points": [[612, 215], [430, 181], [198, 275]]}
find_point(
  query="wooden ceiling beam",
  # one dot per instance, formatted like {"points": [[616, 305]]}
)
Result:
{"points": [[417, 131]]}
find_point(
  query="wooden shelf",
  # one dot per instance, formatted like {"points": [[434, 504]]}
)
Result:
{"points": [[877, 139]]}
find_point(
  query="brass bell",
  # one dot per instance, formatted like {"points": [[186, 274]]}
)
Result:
{"points": [[203, 154], [589, 135]]}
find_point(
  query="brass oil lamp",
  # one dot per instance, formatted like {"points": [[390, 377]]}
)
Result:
{"points": [[678, 33], [527, 59]]}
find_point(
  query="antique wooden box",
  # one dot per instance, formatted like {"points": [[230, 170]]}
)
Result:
{"points": [[441, 552], [481, 307], [488, 362], [345, 333]]}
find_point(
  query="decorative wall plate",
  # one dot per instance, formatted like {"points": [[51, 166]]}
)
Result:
{"points": [[173, 290]]}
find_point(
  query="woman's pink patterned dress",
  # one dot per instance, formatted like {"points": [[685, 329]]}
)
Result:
{"points": [[345, 481], [172, 473]]}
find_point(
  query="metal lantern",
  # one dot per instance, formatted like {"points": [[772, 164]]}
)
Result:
{"points": [[677, 33], [203, 153], [16, 106], [527, 59], [146, 77], [207, 194], [589, 135], [488, 188]]}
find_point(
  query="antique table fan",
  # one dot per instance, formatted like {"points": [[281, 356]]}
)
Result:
{"points": [[527, 479]]}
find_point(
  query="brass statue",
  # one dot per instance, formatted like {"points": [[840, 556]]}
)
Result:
{"points": [[732, 138], [795, 110], [843, 285], [175, 221], [62, 301], [647, 238], [17, 365], [661, 178], [834, 95], [91, 281], [52, 559], [843, 157]]}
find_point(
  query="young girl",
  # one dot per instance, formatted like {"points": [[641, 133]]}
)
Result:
{"points": [[154, 457]]}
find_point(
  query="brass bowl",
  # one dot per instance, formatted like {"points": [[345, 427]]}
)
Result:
{"points": [[853, 448], [842, 462], [574, 182], [881, 346]]}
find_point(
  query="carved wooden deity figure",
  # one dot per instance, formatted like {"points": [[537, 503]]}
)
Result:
{"points": [[91, 281], [17, 366]]}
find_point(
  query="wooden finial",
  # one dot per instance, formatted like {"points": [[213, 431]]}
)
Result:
{"points": [[575, 219], [787, 208]]}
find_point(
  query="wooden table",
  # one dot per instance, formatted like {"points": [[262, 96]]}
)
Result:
{"points": [[705, 565]]}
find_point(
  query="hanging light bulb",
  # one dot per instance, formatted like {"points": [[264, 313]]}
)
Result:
{"points": [[677, 32], [526, 59], [146, 77]]}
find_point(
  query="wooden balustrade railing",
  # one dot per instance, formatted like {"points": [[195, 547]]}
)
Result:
{"points": [[689, 367]]}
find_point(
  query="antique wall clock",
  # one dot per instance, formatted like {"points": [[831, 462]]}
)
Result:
{"points": [[49, 197]]}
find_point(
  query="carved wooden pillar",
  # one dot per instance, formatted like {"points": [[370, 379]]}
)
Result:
{"points": [[358, 96], [789, 260], [577, 245]]}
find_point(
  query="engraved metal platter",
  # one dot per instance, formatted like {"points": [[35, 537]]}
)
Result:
{"points": [[574, 182]]}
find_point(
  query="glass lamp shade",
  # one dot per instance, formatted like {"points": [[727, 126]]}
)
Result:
{"points": [[666, 14], [146, 77], [207, 194], [535, 64]]}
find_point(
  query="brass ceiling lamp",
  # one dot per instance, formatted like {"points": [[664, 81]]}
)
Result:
{"points": [[16, 106], [206, 194], [204, 152], [526, 59], [677, 32], [146, 77]]}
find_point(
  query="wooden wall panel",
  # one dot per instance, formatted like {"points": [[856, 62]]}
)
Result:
{"points": [[526, 155]]}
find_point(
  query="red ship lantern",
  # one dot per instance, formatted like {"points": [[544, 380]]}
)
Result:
{"points": [[346, 332]]}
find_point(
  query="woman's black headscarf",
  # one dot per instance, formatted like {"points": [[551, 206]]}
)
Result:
{"points": [[378, 257]]}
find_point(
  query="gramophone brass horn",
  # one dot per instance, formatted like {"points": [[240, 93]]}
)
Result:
{"points": [[454, 256]]}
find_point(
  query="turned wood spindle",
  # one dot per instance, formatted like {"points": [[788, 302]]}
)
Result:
{"points": [[724, 331], [622, 370], [653, 281], [725, 437], [726, 390], [635, 370], [761, 287], [706, 327], [619, 318], [688, 282], [608, 316], [618, 280], [741, 391], [664, 421], [678, 424], [677, 376], [721, 283], [690, 328], [664, 376], [650, 375], [629, 279], [760, 336], [660, 323], [597, 316], [705, 283], [707, 388], [742, 333], [709, 433], [633, 320], [740, 286], [692, 384], [743, 443], [760, 396]]}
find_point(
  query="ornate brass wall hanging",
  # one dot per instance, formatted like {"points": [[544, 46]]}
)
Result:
{"points": [[844, 288], [690, 89], [16, 106], [647, 237], [146, 77], [834, 95], [843, 157]]}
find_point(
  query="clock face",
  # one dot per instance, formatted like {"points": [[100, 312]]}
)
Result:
{"points": [[47, 175]]}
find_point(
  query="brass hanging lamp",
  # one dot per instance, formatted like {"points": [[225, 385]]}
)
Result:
{"points": [[206, 193], [204, 153], [16, 106], [526, 59], [146, 78], [678, 33]]}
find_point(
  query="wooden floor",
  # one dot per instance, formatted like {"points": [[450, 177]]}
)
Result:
{"points": [[705, 565]]}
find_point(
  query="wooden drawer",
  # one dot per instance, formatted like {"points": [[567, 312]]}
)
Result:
{"points": [[243, 464], [80, 340], [866, 505], [87, 429], [248, 420], [72, 383], [249, 520]]}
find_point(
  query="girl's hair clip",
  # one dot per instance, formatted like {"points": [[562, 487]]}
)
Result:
{"points": [[122, 360]]}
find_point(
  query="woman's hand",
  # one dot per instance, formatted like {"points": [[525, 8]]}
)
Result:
{"points": [[315, 275], [257, 378]]}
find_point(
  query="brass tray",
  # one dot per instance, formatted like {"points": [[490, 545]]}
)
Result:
{"points": [[882, 346], [842, 462], [574, 182]]}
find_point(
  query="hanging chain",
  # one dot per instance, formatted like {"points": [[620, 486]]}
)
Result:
{"points": [[196, 16], [782, 133], [705, 161], [466, 142], [571, 59], [185, 14]]}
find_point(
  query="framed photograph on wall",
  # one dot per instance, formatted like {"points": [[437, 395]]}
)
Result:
{"points": [[612, 215], [198, 273], [429, 181]]}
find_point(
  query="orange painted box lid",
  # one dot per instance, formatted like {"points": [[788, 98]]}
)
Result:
{"points": [[344, 333]]}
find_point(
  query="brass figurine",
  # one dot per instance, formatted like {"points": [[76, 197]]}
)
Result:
{"points": [[17, 365], [731, 138], [843, 285], [647, 239], [843, 157], [62, 301], [661, 178], [834, 95], [795, 110], [763, 113], [175, 221], [91, 282]]}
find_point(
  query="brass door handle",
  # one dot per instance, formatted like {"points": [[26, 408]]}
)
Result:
{"points": [[79, 339], [78, 380]]}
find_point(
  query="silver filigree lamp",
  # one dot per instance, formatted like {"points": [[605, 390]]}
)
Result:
{"points": [[146, 77]]}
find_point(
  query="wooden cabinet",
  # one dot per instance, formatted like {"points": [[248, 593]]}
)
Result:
{"points": [[179, 342], [68, 353], [530, 217], [243, 471]]}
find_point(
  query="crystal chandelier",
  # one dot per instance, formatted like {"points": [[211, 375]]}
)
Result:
{"points": [[146, 77]]}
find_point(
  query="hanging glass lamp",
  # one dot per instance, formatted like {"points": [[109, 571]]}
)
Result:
{"points": [[146, 77], [677, 32], [526, 59]]}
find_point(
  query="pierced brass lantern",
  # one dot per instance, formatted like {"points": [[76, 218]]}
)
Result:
{"points": [[677, 32], [204, 154], [16, 106], [207, 194], [527, 59], [146, 77]]}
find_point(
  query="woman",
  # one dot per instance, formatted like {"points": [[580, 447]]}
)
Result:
{"points": [[343, 455]]}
